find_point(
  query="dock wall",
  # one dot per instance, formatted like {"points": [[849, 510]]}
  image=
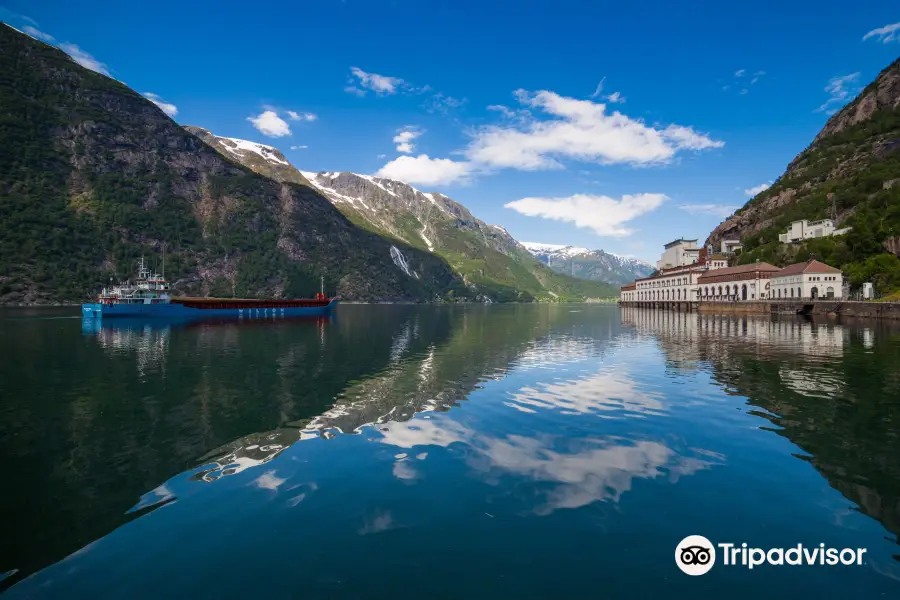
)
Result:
{"points": [[855, 309]]}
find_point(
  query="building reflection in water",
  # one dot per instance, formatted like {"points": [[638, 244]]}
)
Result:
{"points": [[820, 384]]}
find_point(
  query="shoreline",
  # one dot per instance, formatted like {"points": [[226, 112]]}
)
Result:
{"points": [[854, 309]]}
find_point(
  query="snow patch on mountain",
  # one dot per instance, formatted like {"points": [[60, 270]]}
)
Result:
{"points": [[557, 250], [331, 193], [236, 147], [596, 265], [373, 180]]}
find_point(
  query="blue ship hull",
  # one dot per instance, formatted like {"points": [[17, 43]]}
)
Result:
{"points": [[98, 310]]}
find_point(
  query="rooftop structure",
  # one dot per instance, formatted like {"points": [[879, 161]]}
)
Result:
{"points": [[679, 253]]}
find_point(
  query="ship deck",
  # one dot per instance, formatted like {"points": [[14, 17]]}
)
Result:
{"points": [[240, 303]]}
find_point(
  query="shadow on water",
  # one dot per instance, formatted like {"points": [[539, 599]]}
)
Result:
{"points": [[95, 416]]}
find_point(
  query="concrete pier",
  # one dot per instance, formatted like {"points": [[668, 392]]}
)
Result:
{"points": [[869, 310]]}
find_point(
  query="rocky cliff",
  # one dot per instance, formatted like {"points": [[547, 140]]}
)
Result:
{"points": [[93, 176], [848, 174], [857, 145]]}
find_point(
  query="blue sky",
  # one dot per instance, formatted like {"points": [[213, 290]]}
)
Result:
{"points": [[500, 102]]}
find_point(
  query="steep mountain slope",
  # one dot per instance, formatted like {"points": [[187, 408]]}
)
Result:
{"points": [[93, 175], [485, 255], [595, 265], [262, 159], [490, 261], [851, 173]]}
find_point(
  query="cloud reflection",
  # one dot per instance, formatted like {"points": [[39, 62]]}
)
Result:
{"points": [[611, 391]]}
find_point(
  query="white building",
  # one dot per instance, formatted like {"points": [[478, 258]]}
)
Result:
{"points": [[731, 246], [744, 282], [807, 280], [805, 229], [679, 253], [677, 284]]}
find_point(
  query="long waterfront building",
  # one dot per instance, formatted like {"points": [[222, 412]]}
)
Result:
{"points": [[710, 280]]}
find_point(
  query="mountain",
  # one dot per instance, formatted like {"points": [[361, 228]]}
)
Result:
{"points": [[595, 265], [849, 173], [262, 159], [487, 258], [93, 176]]}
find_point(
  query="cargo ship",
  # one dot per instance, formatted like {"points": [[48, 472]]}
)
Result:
{"points": [[148, 296]]}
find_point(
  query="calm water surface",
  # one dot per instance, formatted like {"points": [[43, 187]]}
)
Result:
{"points": [[443, 452]]}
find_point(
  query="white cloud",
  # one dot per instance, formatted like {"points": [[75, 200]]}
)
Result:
{"points": [[426, 171], [439, 103], [83, 58], [756, 189], [581, 130], [36, 33], [304, 147], [604, 215], [352, 89], [840, 90], [404, 138], [381, 156], [614, 98], [380, 84], [743, 91], [303, 116], [270, 124], [888, 33], [167, 107], [757, 76], [740, 72], [688, 139], [718, 210]]}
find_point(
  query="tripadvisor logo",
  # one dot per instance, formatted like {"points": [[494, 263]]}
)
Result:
{"points": [[696, 555]]}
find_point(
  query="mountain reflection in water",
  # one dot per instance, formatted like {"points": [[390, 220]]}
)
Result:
{"points": [[576, 431]]}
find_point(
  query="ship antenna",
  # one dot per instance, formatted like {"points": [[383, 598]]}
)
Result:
{"points": [[322, 283], [164, 262]]}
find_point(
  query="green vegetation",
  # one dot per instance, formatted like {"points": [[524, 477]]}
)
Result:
{"points": [[846, 173], [96, 176]]}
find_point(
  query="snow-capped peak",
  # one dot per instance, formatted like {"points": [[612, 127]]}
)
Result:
{"points": [[555, 249], [236, 146]]}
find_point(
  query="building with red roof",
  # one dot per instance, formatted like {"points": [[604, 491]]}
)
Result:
{"points": [[807, 280]]}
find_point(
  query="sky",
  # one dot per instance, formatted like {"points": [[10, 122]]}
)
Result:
{"points": [[614, 126]]}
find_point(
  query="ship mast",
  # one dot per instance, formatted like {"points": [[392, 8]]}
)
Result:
{"points": [[322, 284]]}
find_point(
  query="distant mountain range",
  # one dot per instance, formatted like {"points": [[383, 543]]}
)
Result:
{"points": [[595, 265], [487, 258]]}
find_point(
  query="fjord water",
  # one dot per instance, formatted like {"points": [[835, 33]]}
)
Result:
{"points": [[444, 451]]}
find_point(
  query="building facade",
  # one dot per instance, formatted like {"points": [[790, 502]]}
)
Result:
{"points": [[731, 246], [679, 253], [744, 282], [710, 279], [677, 284], [808, 280], [805, 229]]}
